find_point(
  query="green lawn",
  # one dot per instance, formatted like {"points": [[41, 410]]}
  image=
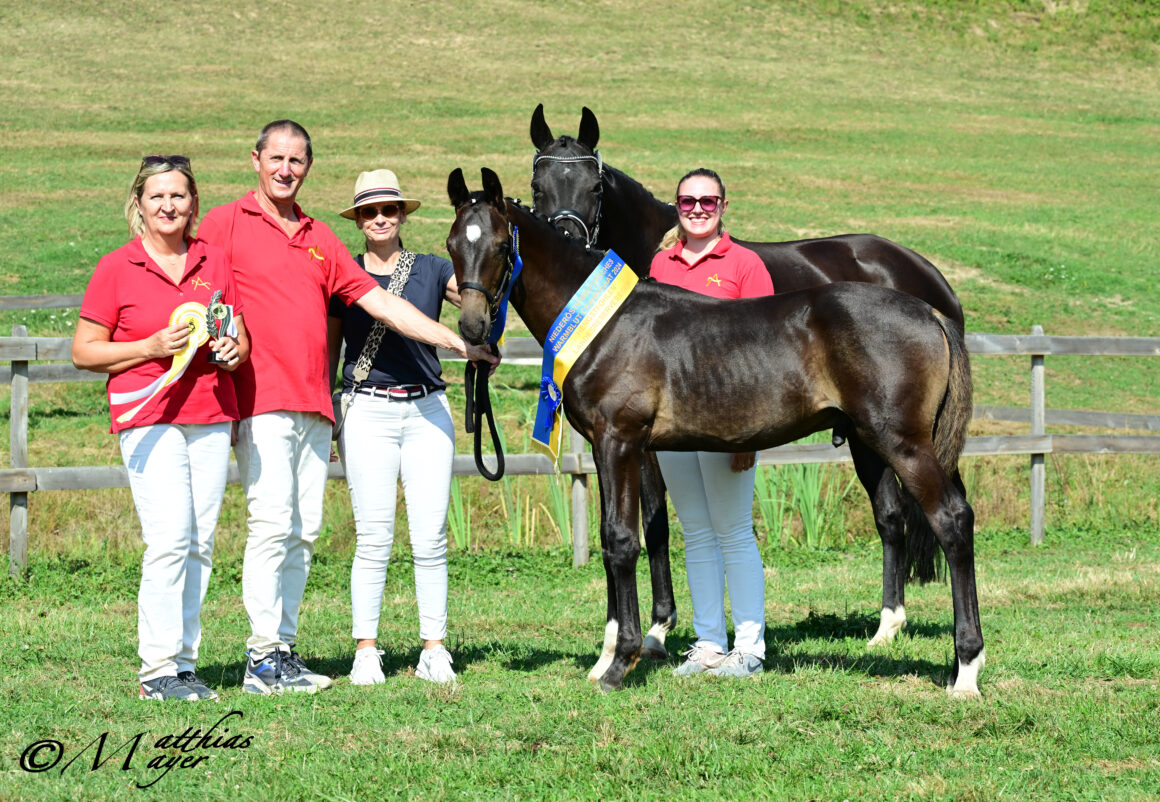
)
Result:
{"points": [[1069, 711]]}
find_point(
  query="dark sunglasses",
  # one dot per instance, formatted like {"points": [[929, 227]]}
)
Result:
{"points": [[686, 203], [386, 210], [175, 160]]}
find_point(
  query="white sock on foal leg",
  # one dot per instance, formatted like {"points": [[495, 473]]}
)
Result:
{"points": [[611, 630], [889, 625]]}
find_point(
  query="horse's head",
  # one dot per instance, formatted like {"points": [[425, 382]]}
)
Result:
{"points": [[480, 244], [568, 177]]}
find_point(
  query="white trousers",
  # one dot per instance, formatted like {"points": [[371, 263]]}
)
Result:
{"points": [[282, 458], [380, 442], [177, 474], [715, 508]]}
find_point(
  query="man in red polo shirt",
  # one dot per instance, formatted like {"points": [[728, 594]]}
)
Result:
{"points": [[288, 265]]}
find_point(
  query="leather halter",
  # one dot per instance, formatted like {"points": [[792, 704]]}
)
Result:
{"points": [[501, 292], [555, 217]]}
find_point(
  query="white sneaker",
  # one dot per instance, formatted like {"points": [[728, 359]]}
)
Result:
{"points": [[738, 664], [435, 665], [699, 659], [368, 667]]}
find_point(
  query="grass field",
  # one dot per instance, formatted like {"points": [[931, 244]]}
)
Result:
{"points": [[1070, 707], [1012, 143]]}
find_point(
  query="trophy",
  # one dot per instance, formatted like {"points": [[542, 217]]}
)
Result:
{"points": [[217, 318]]}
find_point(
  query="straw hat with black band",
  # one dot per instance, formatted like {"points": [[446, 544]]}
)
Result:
{"points": [[378, 186]]}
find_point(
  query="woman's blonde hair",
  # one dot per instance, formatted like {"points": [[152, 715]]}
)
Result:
{"points": [[676, 233], [151, 166]]}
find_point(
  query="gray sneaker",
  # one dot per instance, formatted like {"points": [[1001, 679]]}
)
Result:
{"points": [[264, 675], [296, 676], [167, 689], [192, 682], [698, 659], [738, 664]]}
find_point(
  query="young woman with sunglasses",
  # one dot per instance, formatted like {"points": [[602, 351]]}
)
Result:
{"points": [[713, 492], [173, 421], [397, 425]]}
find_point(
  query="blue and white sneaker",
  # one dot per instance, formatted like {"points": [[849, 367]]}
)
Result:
{"points": [[263, 676]]}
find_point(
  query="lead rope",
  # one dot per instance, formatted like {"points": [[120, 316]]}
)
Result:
{"points": [[478, 405]]}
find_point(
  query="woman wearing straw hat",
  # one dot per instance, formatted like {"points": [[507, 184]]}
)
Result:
{"points": [[394, 423]]}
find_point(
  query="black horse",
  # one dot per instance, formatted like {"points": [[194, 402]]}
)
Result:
{"points": [[672, 370], [607, 209]]}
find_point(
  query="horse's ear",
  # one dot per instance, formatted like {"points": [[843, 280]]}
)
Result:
{"points": [[457, 188], [541, 133], [589, 129], [492, 187]]}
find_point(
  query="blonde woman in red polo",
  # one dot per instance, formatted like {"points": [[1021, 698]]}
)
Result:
{"points": [[713, 492], [172, 408]]}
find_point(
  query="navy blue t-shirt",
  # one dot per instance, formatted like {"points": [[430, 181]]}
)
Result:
{"points": [[400, 360]]}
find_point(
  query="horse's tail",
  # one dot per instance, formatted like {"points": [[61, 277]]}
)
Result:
{"points": [[923, 557]]}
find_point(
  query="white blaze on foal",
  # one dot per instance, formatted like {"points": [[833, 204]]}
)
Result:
{"points": [[473, 233]]}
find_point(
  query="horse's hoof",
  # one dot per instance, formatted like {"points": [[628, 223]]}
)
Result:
{"points": [[609, 687], [964, 693], [653, 649]]}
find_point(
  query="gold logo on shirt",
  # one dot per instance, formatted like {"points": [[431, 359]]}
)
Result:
{"points": [[317, 254], [198, 282], [713, 279]]}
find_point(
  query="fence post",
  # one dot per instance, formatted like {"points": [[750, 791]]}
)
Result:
{"points": [[1038, 426], [579, 503], [18, 458]]}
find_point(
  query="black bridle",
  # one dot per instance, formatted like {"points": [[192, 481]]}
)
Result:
{"points": [[555, 217], [478, 399]]}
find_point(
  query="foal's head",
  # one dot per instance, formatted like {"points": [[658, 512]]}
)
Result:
{"points": [[568, 177], [480, 244]]}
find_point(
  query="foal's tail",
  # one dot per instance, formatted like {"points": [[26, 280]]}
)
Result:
{"points": [[923, 558], [950, 428]]}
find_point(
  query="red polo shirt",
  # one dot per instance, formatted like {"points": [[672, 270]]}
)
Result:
{"points": [[727, 271], [288, 282], [131, 296]]}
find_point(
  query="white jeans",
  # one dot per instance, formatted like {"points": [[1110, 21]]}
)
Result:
{"points": [[282, 458], [715, 507], [177, 474], [380, 442]]}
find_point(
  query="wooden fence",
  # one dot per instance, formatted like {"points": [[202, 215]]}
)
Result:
{"points": [[25, 354]]}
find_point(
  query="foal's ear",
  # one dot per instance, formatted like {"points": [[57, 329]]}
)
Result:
{"points": [[492, 188], [541, 133], [589, 129], [457, 188]]}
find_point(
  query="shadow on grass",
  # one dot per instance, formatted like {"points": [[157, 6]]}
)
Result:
{"points": [[517, 656]]}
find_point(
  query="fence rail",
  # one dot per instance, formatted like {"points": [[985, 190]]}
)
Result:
{"points": [[22, 351]]}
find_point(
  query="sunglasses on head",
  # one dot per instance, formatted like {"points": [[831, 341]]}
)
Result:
{"points": [[386, 210], [175, 160], [686, 203]]}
